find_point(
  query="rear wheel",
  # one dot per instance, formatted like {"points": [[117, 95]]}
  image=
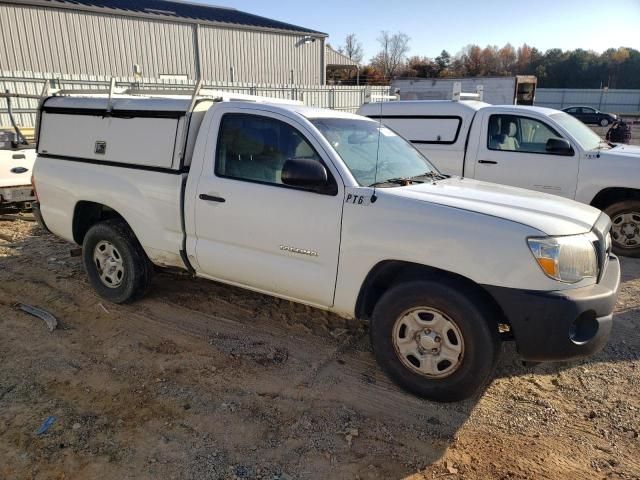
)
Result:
{"points": [[435, 339], [625, 227], [116, 264]]}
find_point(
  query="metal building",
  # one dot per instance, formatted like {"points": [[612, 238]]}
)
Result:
{"points": [[166, 39]]}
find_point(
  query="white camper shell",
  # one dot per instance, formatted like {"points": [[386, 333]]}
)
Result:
{"points": [[438, 128], [141, 130]]}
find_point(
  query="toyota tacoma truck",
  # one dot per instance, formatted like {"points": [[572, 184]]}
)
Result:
{"points": [[331, 210], [530, 147]]}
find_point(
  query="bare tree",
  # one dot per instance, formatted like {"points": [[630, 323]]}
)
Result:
{"points": [[393, 52], [352, 48]]}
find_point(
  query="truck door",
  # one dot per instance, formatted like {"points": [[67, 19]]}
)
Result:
{"points": [[254, 231], [512, 151]]}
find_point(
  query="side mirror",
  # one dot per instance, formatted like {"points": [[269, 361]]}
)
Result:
{"points": [[559, 146], [305, 173]]}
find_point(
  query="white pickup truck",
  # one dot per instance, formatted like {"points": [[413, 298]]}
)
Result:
{"points": [[530, 147], [305, 204], [16, 165]]}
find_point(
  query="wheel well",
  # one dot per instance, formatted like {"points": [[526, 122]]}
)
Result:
{"points": [[609, 196], [389, 273], [87, 214]]}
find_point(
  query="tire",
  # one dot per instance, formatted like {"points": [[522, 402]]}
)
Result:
{"points": [[126, 273], [604, 122], [625, 231], [465, 310]]}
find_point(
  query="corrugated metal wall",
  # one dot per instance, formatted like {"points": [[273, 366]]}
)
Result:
{"points": [[75, 42], [336, 58], [259, 57], [66, 41], [614, 101]]}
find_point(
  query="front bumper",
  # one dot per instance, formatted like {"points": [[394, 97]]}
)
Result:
{"points": [[561, 325]]}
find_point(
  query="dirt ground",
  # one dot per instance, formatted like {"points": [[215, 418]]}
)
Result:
{"points": [[205, 381]]}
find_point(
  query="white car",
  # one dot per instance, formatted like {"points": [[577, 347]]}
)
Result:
{"points": [[530, 147], [330, 210]]}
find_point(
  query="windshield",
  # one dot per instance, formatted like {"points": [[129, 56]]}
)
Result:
{"points": [[582, 134], [356, 141]]}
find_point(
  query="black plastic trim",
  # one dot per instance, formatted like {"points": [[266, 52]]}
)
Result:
{"points": [[103, 112], [105, 163], [541, 321], [425, 117]]}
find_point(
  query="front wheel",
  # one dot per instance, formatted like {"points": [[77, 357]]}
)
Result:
{"points": [[625, 227], [116, 264], [604, 122], [435, 339]]}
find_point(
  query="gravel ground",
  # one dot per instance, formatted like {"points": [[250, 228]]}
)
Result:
{"points": [[205, 381]]}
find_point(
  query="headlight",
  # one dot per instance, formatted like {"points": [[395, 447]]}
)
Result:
{"points": [[567, 259]]}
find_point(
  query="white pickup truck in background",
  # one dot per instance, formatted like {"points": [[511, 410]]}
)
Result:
{"points": [[530, 147], [16, 168], [331, 210]]}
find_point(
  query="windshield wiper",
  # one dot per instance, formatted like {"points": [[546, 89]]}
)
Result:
{"points": [[430, 174], [398, 181], [409, 180]]}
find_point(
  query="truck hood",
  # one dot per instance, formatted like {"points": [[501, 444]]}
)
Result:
{"points": [[621, 150], [550, 214], [16, 167]]}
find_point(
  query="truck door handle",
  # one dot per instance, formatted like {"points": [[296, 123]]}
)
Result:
{"points": [[488, 162], [211, 198]]}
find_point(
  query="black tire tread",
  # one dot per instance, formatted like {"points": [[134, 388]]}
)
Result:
{"points": [[474, 318], [617, 208], [139, 269]]}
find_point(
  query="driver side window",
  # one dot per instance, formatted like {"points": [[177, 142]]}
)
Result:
{"points": [[514, 133], [255, 148]]}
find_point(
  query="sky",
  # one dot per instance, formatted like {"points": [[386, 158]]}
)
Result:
{"points": [[434, 25]]}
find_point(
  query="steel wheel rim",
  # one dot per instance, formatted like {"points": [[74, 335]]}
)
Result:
{"points": [[109, 263], [625, 229], [428, 342]]}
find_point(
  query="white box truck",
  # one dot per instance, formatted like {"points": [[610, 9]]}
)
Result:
{"points": [[516, 90], [529, 147], [304, 204]]}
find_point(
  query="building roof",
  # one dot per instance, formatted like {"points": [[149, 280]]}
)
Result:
{"points": [[337, 59], [165, 9]]}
